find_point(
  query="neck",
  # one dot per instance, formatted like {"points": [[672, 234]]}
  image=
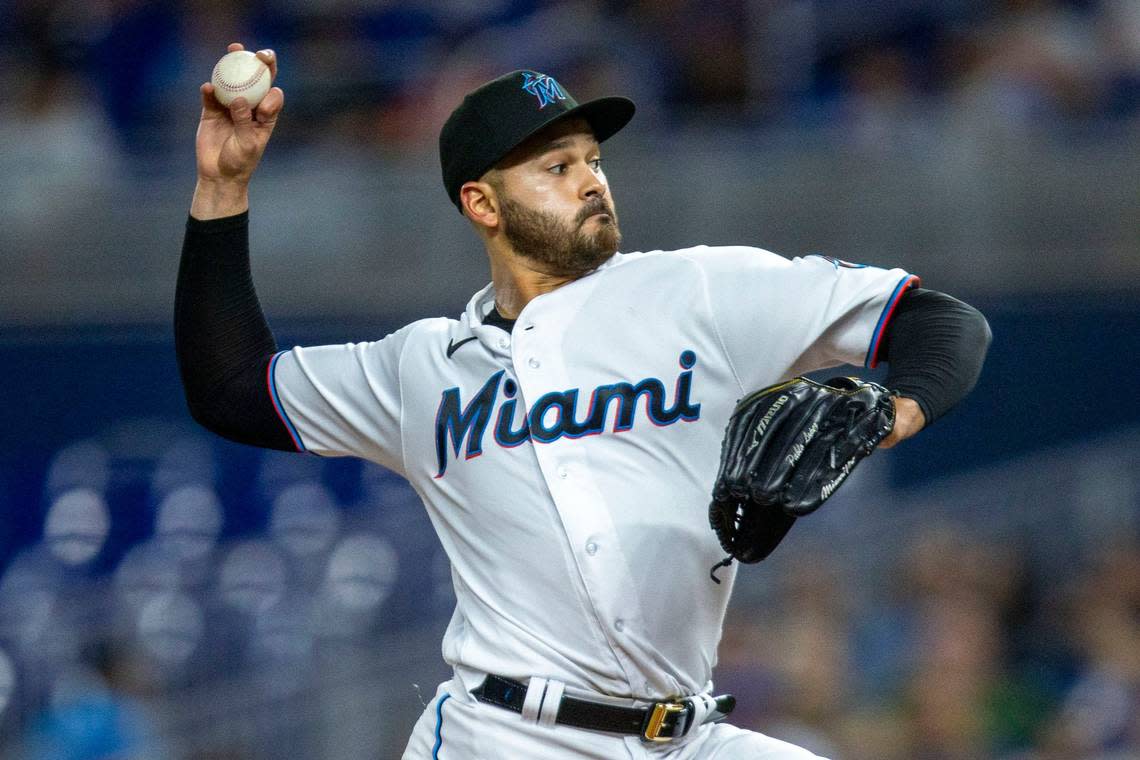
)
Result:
{"points": [[517, 282]]}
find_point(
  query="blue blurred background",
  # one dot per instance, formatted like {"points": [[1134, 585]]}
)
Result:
{"points": [[974, 593]]}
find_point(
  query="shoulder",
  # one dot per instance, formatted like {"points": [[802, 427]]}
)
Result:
{"points": [[423, 333], [701, 255], [733, 257], [436, 329], [711, 260], [420, 330], [431, 328]]}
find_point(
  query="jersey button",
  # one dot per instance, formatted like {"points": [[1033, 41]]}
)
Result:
{"points": [[591, 548], [563, 472], [504, 342], [619, 625], [534, 363]]}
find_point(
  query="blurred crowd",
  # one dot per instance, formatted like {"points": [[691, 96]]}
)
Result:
{"points": [[159, 569], [960, 656], [150, 577], [123, 74]]}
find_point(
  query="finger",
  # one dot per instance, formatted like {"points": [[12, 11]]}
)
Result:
{"points": [[234, 46], [211, 108], [270, 106], [242, 117], [270, 59]]}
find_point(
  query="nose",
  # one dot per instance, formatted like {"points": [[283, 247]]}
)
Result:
{"points": [[592, 186]]}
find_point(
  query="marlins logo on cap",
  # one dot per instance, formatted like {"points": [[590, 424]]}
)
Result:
{"points": [[543, 87]]}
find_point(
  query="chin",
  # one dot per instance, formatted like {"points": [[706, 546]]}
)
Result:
{"points": [[608, 240]]}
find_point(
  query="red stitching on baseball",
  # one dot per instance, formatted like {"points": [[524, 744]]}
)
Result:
{"points": [[242, 86]]}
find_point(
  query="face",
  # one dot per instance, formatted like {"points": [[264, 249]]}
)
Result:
{"points": [[554, 202]]}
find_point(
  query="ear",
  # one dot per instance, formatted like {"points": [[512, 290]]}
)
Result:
{"points": [[480, 204]]}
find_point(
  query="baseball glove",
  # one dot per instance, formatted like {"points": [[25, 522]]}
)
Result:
{"points": [[787, 448]]}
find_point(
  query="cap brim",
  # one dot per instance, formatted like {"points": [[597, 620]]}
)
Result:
{"points": [[606, 116]]}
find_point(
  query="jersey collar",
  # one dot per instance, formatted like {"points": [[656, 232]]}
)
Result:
{"points": [[483, 301]]}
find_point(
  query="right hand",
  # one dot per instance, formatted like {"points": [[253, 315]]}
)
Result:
{"points": [[231, 140]]}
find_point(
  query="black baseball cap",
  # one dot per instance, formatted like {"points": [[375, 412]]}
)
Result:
{"points": [[496, 117]]}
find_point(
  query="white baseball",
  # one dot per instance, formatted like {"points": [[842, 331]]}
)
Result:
{"points": [[240, 74]]}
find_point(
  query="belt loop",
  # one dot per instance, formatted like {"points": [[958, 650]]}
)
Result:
{"points": [[548, 712], [701, 706], [535, 692]]}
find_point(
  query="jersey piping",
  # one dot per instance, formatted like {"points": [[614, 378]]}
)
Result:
{"points": [[905, 284], [439, 726], [400, 385], [271, 382]]}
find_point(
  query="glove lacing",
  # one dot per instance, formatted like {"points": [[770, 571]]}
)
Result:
{"points": [[723, 563]]}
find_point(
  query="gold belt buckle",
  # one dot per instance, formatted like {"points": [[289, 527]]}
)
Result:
{"points": [[657, 720]]}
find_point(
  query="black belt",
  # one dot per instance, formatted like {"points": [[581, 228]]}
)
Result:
{"points": [[660, 722]]}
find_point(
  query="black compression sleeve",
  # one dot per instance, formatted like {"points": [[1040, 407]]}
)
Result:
{"points": [[223, 342], [934, 346]]}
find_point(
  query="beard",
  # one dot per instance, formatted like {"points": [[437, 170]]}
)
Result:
{"points": [[561, 248]]}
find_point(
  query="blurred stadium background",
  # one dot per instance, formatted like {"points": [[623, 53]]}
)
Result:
{"points": [[972, 594]]}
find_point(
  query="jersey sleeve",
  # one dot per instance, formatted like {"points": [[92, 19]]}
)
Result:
{"points": [[779, 317], [343, 400]]}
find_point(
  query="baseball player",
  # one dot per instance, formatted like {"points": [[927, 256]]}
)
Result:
{"points": [[563, 431]]}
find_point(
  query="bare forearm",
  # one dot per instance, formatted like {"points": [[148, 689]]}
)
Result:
{"points": [[219, 199]]}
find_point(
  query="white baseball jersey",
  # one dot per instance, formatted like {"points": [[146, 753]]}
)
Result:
{"points": [[567, 466]]}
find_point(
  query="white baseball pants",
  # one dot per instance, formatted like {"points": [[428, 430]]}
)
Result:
{"points": [[455, 726]]}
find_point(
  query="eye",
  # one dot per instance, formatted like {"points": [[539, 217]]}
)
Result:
{"points": [[596, 164], [557, 169]]}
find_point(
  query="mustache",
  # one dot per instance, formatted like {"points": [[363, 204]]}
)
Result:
{"points": [[596, 205]]}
